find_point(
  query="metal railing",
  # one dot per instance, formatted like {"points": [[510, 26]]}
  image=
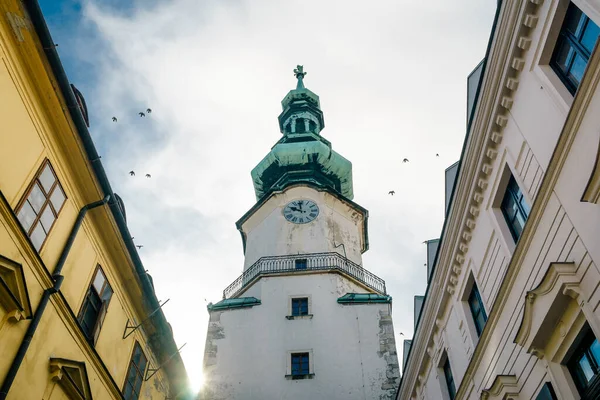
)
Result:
{"points": [[301, 263]]}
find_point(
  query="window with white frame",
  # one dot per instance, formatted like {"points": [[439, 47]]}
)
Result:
{"points": [[43, 201], [299, 307], [299, 364], [576, 40]]}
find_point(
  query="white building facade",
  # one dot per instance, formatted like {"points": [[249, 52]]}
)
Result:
{"points": [[512, 306], [305, 319]]}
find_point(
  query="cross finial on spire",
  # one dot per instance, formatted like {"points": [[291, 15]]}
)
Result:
{"points": [[299, 73]]}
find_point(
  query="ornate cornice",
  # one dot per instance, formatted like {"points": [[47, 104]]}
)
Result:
{"points": [[504, 387], [582, 99], [561, 278], [516, 23]]}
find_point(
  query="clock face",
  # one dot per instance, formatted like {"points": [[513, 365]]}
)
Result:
{"points": [[301, 211]]}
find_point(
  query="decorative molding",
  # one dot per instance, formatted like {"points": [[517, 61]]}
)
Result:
{"points": [[517, 63], [507, 57], [491, 154], [512, 84], [560, 278], [486, 169], [504, 387], [591, 194], [14, 297], [524, 43], [506, 102], [530, 21], [501, 120], [72, 377]]}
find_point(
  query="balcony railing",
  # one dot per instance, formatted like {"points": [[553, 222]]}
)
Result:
{"points": [[301, 263]]}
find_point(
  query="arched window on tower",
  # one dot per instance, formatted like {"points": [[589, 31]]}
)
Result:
{"points": [[300, 127], [312, 126], [288, 128]]}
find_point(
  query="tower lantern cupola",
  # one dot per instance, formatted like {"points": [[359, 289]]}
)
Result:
{"points": [[301, 113], [302, 155]]}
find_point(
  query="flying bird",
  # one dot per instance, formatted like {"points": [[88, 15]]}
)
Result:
{"points": [[131, 173], [148, 110], [141, 114], [405, 160], [392, 192], [437, 155], [114, 119], [400, 333], [139, 246], [148, 176]]}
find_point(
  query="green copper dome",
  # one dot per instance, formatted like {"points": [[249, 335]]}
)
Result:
{"points": [[302, 155]]}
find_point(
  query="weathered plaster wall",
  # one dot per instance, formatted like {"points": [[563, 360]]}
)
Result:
{"points": [[353, 347], [269, 234], [33, 128]]}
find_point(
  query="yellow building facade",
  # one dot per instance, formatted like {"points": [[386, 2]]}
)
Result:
{"points": [[79, 318]]}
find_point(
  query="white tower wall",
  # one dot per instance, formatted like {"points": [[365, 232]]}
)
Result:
{"points": [[352, 348], [269, 234]]}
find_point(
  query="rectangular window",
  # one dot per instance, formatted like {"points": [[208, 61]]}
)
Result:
{"points": [[515, 208], [43, 201], [584, 366], [575, 43], [547, 392], [449, 379], [95, 305], [300, 306], [477, 310], [300, 364], [301, 264], [135, 374]]}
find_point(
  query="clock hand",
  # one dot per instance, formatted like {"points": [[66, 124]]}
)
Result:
{"points": [[294, 209]]}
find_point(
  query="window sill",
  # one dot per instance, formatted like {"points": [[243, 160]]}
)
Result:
{"points": [[296, 377], [307, 316]]}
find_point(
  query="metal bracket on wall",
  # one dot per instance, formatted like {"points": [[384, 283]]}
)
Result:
{"points": [[150, 372], [134, 328]]}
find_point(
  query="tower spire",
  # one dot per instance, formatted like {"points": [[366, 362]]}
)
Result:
{"points": [[302, 155], [299, 74]]}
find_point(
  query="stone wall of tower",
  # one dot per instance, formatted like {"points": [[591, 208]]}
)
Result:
{"points": [[269, 234], [352, 347]]}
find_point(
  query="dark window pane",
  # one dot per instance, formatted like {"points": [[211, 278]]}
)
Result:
{"points": [[595, 350], [127, 393], [36, 198], [47, 178], [300, 306], [590, 36], [510, 207], [515, 208], [449, 380], [578, 68], [563, 56], [57, 198], [26, 216], [106, 293], [585, 368], [37, 236], [572, 20], [47, 218], [547, 392], [300, 364]]}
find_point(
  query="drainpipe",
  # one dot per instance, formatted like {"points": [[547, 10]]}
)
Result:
{"points": [[58, 280]]}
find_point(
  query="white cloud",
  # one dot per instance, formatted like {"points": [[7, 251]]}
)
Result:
{"points": [[392, 80]]}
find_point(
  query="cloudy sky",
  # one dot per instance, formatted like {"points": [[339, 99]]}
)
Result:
{"points": [[391, 75]]}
